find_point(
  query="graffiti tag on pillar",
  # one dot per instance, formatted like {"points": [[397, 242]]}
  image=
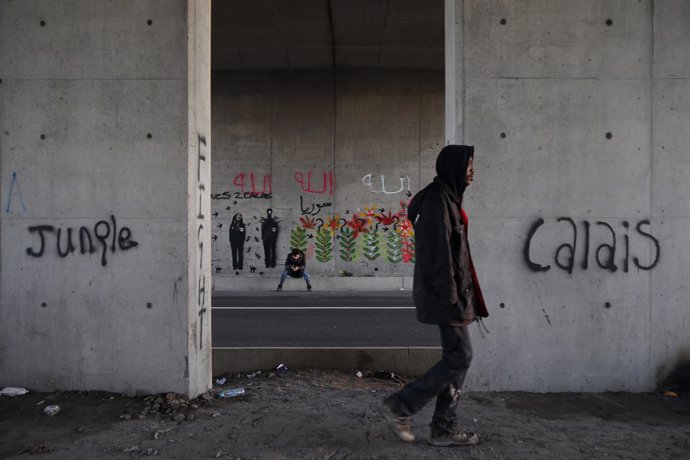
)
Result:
{"points": [[324, 184], [104, 235], [14, 190], [404, 185], [202, 164], [605, 255]]}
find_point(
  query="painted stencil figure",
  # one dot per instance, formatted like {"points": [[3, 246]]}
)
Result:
{"points": [[446, 293], [237, 235], [296, 267], [269, 236]]}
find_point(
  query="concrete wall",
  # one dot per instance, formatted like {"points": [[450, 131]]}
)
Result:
{"points": [[335, 157], [579, 111], [99, 118]]}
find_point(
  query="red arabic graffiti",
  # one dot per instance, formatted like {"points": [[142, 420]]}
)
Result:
{"points": [[246, 182], [305, 182]]}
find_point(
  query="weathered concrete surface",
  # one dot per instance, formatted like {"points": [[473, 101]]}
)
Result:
{"points": [[570, 124], [99, 121]]}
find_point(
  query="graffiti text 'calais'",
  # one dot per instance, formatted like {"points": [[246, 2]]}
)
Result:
{"points": [[605, 253]]}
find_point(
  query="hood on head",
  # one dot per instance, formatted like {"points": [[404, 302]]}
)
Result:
{"points": [[451, 168]]}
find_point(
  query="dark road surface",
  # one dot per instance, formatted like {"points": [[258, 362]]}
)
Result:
{"points": [[318, 320]]}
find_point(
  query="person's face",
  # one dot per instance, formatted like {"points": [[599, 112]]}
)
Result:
{"points": [[469, 177]]}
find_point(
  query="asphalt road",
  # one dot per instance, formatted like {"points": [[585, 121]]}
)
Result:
{"points": [[319, 320]]}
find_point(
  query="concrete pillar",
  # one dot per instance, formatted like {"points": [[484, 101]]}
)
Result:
{"points": [[455, 71], [104, 178]]}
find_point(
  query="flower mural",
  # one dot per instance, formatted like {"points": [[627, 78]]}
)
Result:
{"points": [[334, 223]]}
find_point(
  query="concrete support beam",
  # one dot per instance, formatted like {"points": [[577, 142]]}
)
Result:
{"points": [[455, 70]]}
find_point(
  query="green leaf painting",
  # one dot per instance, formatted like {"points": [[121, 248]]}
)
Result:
{"points": [[298, 239], [393, 247], [324, 245]]}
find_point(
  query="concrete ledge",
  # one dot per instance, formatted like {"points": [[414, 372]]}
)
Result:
{"points": [[404, 361], [326, 283]]}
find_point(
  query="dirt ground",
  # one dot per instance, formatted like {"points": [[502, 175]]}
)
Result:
{"points": [[309, 414]]}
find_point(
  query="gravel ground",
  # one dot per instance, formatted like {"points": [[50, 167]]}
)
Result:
{"points": [[310, 414]]}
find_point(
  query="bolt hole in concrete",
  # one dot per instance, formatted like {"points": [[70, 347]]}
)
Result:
{"points": [[43, 305], [503, 135], [609, 22], [149, 22], [609, 135], [43, 136], [149, 305], [607, 305], [149, 136], [43, 23], [502, 305], [503, 22]]}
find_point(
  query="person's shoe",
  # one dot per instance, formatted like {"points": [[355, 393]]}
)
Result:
{"points": [[400, 425], [279, 288], [309, 287], [441, 438]]}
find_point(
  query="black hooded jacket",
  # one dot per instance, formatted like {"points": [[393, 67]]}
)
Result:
{"points": [[445, 288]]}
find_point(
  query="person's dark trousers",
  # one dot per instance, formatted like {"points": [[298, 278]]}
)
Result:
{"points": [[443, 381]]}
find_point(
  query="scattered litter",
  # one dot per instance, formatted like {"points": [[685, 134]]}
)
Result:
{"points": [[359, 374], [475, 420], [13, 391], [215, 414], [253, 374], [231, 393], [281, 369], [51, 410], [402, 289], [221, 381], [385, 375], [159, 433], [670, 394], [41, 402]]}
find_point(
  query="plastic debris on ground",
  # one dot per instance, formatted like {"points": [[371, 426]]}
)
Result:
{"points": [[221, 381], [231, 393], [359, 374], [281, 369], [13, 391], [253, 374], [670, 394], [51, 410]]}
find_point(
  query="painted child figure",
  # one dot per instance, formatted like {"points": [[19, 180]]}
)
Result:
{"points": [[296, 267]]}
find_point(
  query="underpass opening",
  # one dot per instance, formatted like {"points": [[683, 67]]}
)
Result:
{"points": [[326, 117]]}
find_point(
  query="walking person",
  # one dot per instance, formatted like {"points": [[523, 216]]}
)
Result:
{"points": [[296, 267], [446, 293]]}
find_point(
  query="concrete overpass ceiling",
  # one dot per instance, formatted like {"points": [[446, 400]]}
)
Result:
{"points": [[282, 34]]}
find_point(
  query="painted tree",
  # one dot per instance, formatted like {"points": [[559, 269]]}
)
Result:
{"points": [[347, 244], [370, 246], [324, 245], [393, 247], [298, 239]]}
